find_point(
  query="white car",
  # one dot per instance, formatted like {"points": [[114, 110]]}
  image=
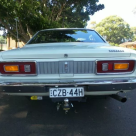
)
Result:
{"points": [[67, 65]]}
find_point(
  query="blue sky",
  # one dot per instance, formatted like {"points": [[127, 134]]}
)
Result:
{"points": [[122, 8]]}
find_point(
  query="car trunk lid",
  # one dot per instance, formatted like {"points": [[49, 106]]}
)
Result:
{"points": [[70, 50]]}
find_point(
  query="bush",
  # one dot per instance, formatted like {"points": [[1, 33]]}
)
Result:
{"points": [[113, 44]]}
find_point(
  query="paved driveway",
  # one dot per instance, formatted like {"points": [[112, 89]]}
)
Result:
{"points": [[96, 117]]}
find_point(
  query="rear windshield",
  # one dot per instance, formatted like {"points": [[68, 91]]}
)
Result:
{"points": [[54, 36]]}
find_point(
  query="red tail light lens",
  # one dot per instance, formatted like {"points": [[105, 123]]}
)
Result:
{"points": [[18, 68], [115, 66]]}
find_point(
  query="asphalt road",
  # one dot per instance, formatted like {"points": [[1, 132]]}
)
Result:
{"points": [[96, 117]]}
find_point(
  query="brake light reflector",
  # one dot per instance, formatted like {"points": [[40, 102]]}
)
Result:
{"points": [[18, 68], [11, 68], [21, 67], [25, 68], [115, 66], [110, 66], [121, 66]]}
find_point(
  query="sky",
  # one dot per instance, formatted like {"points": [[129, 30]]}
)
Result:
{"points": [[121, 8]]}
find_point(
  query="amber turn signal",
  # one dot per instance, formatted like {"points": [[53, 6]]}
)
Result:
{"points": [[121, 66], [11, 68]]}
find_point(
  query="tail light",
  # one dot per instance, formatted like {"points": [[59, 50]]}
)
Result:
{"points": [[115, 66], [17, 68]]}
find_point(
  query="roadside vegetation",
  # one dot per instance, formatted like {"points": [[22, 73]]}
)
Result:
{"points": [[2, 40], [115, 30], [34, 15]]}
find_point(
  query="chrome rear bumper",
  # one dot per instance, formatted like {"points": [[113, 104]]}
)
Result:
{"points": [[66, 82], [91, 87]]}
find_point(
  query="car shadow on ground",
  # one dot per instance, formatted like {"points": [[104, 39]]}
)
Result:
{"points": [[97, 116]]}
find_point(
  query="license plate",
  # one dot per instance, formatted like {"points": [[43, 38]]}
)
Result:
{"points": [[66, 92]]}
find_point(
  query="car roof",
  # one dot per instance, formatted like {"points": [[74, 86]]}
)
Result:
{"points": [[66, 29]]}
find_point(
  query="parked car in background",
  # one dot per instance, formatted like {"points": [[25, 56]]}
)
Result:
{"points": [[67, 65]]}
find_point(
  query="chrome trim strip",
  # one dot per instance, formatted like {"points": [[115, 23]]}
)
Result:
{"points": [[67, 83], [117, 73]]}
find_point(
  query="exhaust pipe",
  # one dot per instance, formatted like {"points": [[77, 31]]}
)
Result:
{"points": [[119, 98]]}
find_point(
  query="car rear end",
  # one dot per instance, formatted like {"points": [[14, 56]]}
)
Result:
{"points": [[69, 71], [63, 78]]}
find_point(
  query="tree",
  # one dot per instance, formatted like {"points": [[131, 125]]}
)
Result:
{"points": [[133, 29], [115, 29], [2, 40], [92, 25], [34, 15]]}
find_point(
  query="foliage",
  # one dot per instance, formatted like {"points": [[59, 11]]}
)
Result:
{"points": [[113, 44], [134, 39], [92, 25], [133, 29], [34, 15], [2, 40], [115, 29]]}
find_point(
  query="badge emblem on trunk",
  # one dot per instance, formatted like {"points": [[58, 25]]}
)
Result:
{"points": [[116, 50], [65, 55], [66, 67]]}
